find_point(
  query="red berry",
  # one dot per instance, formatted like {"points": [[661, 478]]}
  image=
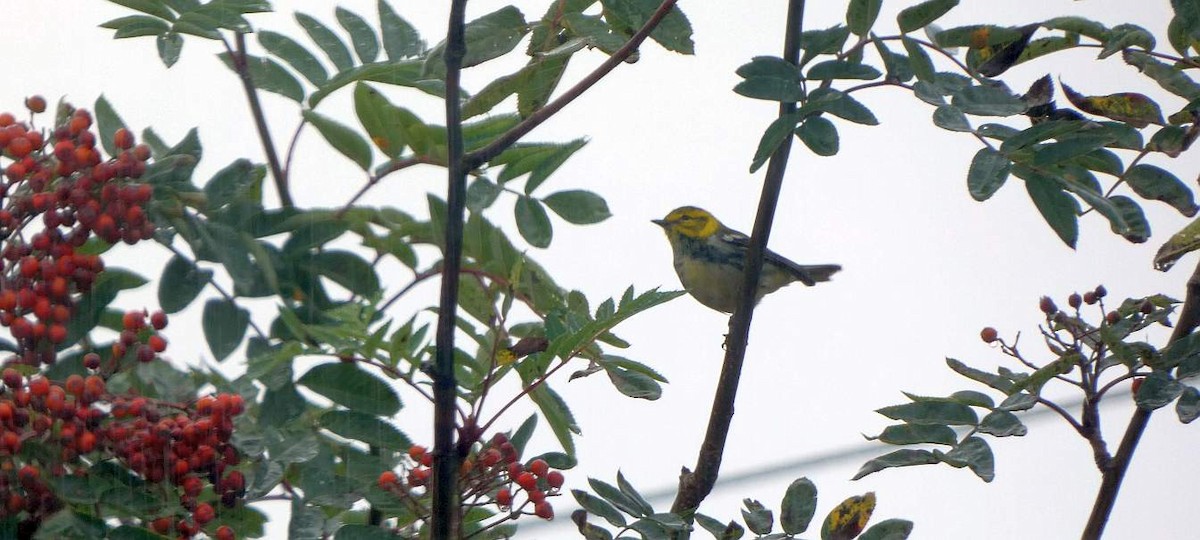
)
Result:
{"points": [[1047, 305], [158, 320], [555, 479], [515, 470], [416, 452], [91, 360], [39, 386], [989, 334], [224, 532], [123, 139], [490, 458], [157, 343], [204, 513], [527, 481], [36, 104], [539, 467], [387, 479], [504, 497], [544, 510], [12, 378]]}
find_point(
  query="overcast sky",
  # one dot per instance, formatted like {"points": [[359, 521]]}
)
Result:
{"points": [[925, 266]]}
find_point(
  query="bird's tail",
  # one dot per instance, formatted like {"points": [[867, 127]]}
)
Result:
{"points": [[815, 273]]}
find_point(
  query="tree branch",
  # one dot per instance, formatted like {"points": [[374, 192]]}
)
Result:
{"points": [[238, 58], [445, 518], [485, 154], [695, 486], [1110, 483]]}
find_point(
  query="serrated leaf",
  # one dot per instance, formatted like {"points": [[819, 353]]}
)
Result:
{"points": [[931, 413], [269, 76], [975, 454], [861, 15], [819, 135], [901, 434], [330, 44], [1059, 209], [344, 268], [988, 101], [532, 222], [597, 506], [169, 45], [294, 54], [1135, 109], [366, 428], [362, 36], [951, 118], [400, 39], [798, 506], [1155, 183], [842, 69], [352, 387], [343, 139], [849, 517], [778, 131]]}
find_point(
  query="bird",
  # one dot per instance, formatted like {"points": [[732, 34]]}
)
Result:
{"points": [[709, 259]]}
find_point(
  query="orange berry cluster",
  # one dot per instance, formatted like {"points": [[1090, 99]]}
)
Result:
{"points": [[493, 472], [77, 195]]}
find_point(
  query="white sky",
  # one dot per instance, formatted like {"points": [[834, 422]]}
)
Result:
{"points": [[925, 266]]}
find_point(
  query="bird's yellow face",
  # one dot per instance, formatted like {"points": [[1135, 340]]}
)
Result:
{"points": [[689, 221]]}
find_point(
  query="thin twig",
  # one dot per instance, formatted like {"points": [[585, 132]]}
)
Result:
{"points": [[238, 59], [397, 165], [493, 149]]}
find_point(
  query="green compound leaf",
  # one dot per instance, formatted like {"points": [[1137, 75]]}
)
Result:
{"points": [[295, 55], [532, 222], [352, 387], [366, 428], [269, 76], [330, 44], [361, 35], [400, 39], [343, 139]]}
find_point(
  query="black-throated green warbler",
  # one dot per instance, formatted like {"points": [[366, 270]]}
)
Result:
{"points": [[710, 257]]}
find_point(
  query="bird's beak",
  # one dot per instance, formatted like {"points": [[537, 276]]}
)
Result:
{"points": [[660, 222]]}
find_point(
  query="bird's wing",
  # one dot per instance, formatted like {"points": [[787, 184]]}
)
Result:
{"points": [[805, 274]]}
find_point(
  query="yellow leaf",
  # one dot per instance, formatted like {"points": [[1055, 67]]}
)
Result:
{"points": [[1181, 243], [849, 518]]}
